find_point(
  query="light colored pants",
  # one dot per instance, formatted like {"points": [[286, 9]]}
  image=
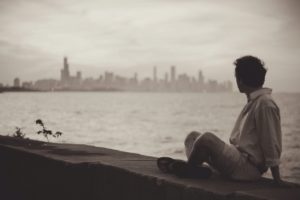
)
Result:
{"points": [[230, 163]]}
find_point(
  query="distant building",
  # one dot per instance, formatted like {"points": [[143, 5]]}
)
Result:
{"points": [[136, 78], [108, 79], [146, 85], [228, 86], [200, 77], [65, 73], [212, 86], [17, 82], [79, 76], [67, 81], [27, 85], [133, 82], [173, 74], [154, 74], [166, 77], [171, 82], [46, 84], [184, 83], [200, 81]]}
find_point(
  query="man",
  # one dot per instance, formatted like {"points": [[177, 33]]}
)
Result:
{"points": [[255, 142]]}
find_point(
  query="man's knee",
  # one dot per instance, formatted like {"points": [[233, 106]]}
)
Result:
{"points": [[191, 137], [208, 139], [211, 142]]}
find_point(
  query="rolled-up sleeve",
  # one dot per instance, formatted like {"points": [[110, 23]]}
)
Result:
{"points": [[269, 130]]}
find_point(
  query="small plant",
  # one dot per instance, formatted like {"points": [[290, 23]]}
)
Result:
{"points": [[18, 133], [46, 132]]}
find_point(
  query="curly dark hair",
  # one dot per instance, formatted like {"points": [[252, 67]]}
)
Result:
{"points": [[250, 70]]}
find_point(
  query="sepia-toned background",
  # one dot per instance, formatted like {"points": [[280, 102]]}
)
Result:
{"points": [[170, 63]]}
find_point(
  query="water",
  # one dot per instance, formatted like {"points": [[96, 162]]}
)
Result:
{"points": [[153, 124]]}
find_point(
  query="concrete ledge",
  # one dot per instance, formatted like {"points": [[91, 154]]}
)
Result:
{"points": [[37, 170]]}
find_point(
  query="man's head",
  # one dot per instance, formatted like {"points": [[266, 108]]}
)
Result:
{"points": [[250, 73]]}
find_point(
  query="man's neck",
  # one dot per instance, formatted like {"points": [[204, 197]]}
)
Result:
{"points": [[249, 91]]}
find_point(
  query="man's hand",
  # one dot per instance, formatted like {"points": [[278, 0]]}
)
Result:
{"points": [[278, 181]]}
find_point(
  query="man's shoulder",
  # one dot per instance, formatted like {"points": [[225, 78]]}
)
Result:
{"points": [[266, 100]]}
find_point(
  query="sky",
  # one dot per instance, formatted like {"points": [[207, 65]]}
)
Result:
{"points": [[128, 36]]}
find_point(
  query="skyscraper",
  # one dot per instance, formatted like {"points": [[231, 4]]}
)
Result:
{"points": [[173, 74], [65, 73], [166, 77], [136, 77], [17, 82], [200, 77], [78, 75], [200, 81], [154, 74]]}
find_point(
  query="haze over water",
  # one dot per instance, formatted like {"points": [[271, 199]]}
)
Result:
{"points": [[146, 123]]}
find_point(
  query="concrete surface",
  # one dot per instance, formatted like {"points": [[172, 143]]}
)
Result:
{"points": [[38, 170]]}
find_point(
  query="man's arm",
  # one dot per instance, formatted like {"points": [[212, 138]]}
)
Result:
{"points": [[276, 174], [269, 127], [277, 179]]}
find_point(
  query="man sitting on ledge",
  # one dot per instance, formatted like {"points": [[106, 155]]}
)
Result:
{"points": [[255, 142]]}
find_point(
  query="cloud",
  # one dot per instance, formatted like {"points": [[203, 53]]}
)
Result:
{"points": [[129, 34]]}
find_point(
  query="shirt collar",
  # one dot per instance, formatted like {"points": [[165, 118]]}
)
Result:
{"points": [[259, 92]]}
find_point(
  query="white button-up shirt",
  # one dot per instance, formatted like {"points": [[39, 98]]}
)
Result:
{"points": [[257, 131]]}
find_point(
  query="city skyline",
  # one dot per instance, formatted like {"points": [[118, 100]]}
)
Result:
{"points": [[134, 35], [110, 81]]}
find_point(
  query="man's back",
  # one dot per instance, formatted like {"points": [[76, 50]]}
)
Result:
{"points": [[257, 132]]}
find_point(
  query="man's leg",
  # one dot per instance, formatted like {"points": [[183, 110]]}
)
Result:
{"points": [[204, 147]]}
